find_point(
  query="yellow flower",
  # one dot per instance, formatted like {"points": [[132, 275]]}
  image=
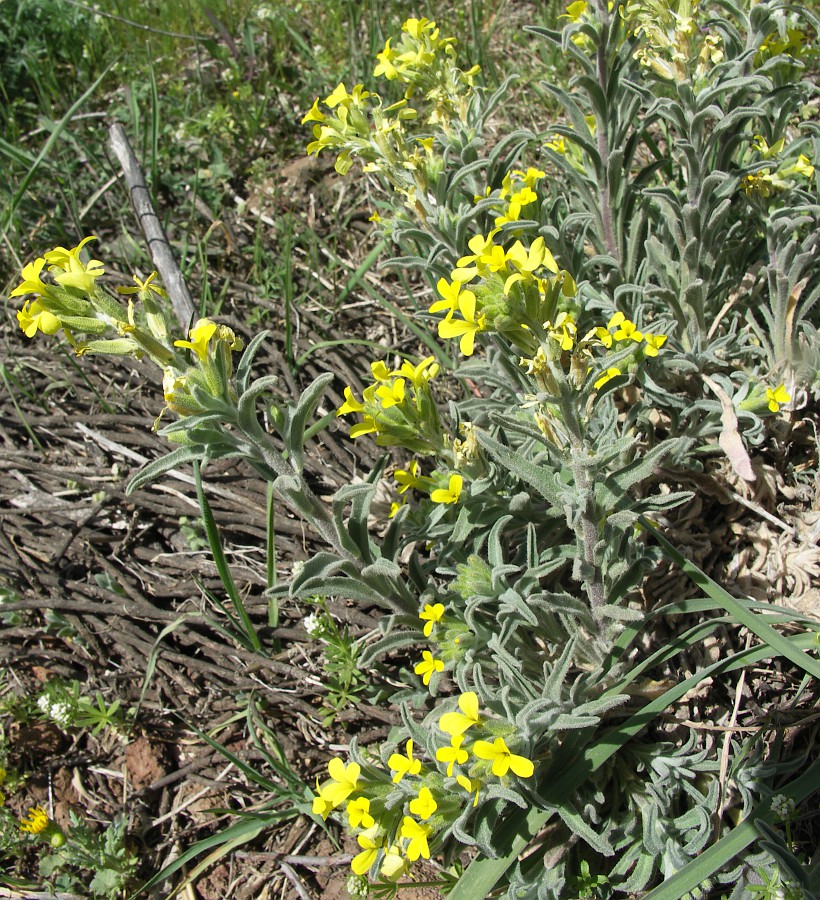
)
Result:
{"points": [[143, 289], [314, 114], [36, 821], [78, 274], [450, 296], [385, 66], [31, 283], [420, 374], [370, 850], [350, 405], [345, 780], [200, 335], [408, 478], [455, 723], [394, 864], [469, 786], [427, 666], [451, 493], [776, 397], [33, 318], [405, 765], [366, 426], [654, 342], [322, 806], [503, 760], [391, 394], [424, 805], [430, 615], [454, 754], [563, 331], [60, 257], [625, 330], [417, 835], [380, 370], [611, 372], [358, 812]]}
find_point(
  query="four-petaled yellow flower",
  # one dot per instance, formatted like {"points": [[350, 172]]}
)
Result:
{"points": [[453, 755], [417, 834], [456, 723], [451, 493], [427, 666], [450, 294], [321, 805], [200, 335], [424, 805], [503, 759], [431, 614], [344, 783], [33, 318], [405, 765], [653, 342], [358, 811], [776, 397], [625, 330], [467, 327], [36, 821]]}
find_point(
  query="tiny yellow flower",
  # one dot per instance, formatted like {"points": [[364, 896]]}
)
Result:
{"points": [[431, 614], [358, 811], [405, 765], [449, 494], [503, 760], [143, 289], [199, 335], [611, 372], [427, 666], [424, 805], [776, 397], [453, 755], [33, 318], [456, 723], [36, 821], [417, 834]]}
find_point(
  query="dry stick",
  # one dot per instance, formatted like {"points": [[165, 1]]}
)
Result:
{"points": [[158, 244]]}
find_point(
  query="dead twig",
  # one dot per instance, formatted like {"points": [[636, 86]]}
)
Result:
{"points": [[158, 245]]}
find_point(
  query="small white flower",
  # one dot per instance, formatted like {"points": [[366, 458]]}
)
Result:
{"points": [[43, 704], [783, 807], [313, 624]]}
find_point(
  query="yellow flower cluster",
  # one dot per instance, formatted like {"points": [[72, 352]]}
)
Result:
{"points": [[398, 814], [399, 409], [765, 182], [357, 125]]}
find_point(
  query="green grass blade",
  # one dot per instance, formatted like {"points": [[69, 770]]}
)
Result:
{"points": [[222, 564], [736, 608], [46, 149]]}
